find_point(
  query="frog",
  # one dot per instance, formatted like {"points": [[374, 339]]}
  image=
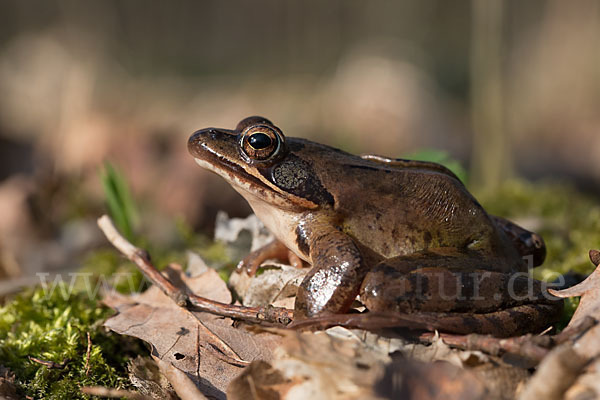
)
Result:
{"points": [[404, 237]]}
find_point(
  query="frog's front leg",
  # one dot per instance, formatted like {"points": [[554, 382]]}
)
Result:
{"points": [[335, 279], [274, 250]]}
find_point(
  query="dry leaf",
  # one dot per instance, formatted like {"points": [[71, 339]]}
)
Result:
{"points": [[242, 235], [588, 344], [589, 290], [146, 377], [316, 366], [587, 385], [204, 346], [440, 351], [343, 364], [558, 375], [276, 286], [555, 374], [259, 381]]}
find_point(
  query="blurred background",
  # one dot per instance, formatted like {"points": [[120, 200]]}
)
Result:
{"points": [[508, 88]]}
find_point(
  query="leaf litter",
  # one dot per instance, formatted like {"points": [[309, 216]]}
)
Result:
{"points": [[223, 358]]}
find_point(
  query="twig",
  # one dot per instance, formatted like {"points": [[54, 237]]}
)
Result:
{"points": [[261, 315], [525, 346], [87, 355], [142, 259], [533, 347], [183, 385], [237, 361], [50, 364], [102, 391]]}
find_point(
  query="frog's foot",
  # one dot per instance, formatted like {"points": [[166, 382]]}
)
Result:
{"points": [[272, 251], [528, 244]]}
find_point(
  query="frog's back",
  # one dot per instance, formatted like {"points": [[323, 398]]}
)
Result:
{"points": [[397, 211]]}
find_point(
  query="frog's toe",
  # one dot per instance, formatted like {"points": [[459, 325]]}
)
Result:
{"points": [[295, 261], [250, 264], [272, 251]]}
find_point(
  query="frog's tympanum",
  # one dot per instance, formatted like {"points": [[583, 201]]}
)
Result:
{"points": [[405, 236]]}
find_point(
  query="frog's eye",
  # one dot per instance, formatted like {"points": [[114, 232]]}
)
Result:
{"points": [[261, 142]]}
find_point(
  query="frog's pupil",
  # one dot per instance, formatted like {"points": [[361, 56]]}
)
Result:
{"points": [[259, 141]]}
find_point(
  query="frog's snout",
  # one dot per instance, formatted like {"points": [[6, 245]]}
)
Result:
{"points": [[202, 135], [195, 141], [213, 140]]}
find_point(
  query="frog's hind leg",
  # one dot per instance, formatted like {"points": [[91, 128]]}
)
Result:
{"points": [[526, 318], [439, 282], [513, 321]]}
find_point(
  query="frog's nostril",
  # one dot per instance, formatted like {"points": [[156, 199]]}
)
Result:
{"points": [[212, 133], [203, 135]]}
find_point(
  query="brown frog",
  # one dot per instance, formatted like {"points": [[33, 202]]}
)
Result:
{"points": [[406, 236]]}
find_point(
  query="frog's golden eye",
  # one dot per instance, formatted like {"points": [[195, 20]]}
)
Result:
{"points": [[260, 142]]}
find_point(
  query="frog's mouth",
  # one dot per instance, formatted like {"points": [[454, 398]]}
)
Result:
{"points": [[233, 173]]}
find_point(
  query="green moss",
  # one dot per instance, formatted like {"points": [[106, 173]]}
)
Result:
{"points": [[53, 326], [568, 220]]}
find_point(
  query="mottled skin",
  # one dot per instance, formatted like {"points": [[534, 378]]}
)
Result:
{"points": [[401, 234]]}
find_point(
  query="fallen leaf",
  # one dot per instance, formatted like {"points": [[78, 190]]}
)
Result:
{"points": [[242, 235], [344, 364], [316, 366], [586, 345], [204, 346], [589, 290], [587, 385], [146, 377], [276, 286], [555, 374], [440, 351], [181, 382], [259, 381]]}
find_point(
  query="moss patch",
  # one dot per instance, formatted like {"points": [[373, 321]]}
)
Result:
{"points": [[568, 220], [53, 327]]}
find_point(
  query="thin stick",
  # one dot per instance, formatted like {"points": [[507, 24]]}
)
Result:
{"points": [[533, 347], [113, 393], [524, 346], [183, 385], [142, 259], [87, 355], [50, 364], [261, 315]]}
